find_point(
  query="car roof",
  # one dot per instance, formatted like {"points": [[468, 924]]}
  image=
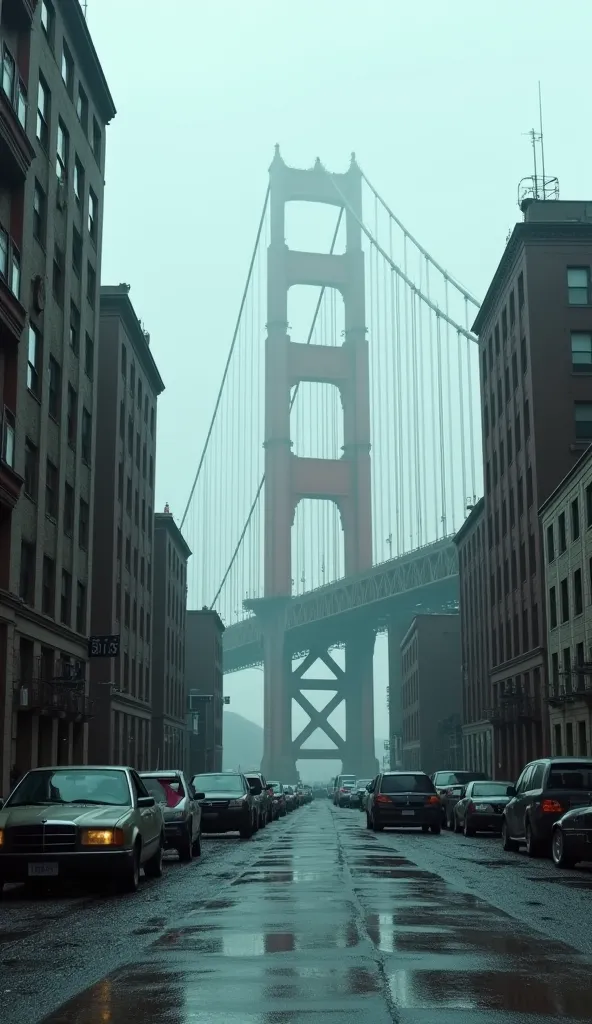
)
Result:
{"points": [[410, 771], [165, 773], [217, 773], [81, 767]]}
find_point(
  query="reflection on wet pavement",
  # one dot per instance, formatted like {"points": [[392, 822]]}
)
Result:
{"points": [[329, 926]]}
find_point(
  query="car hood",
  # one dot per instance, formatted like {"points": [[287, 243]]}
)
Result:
{"points": [[224, 795], [74, 814]]}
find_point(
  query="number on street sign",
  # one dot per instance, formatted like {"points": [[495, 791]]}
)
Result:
{"points": [[103, 646]]}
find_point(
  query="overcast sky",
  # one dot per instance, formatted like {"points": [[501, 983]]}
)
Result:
{"points": [[434, 98]]}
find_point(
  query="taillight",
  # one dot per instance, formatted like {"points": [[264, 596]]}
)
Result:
{"points": [[381, 799], [433, 799], [551, 807], [471, 807]]}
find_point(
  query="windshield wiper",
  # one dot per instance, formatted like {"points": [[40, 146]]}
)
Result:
{"points": [[103, 803]]}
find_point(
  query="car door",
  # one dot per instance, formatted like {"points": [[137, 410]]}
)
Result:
{"points": [[193, 806], [515, 809], [461, 806], [371, 793], [150, 817], [533, 791]]}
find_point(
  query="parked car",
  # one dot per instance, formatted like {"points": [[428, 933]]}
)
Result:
{"points": [[480, 807], [279, 799], [308, 794], [87, 821], [448, 787], [345, 794], [571, 839], [228, 805], [263, 797], [181, 810], [291, 798], [357, 794], [340, 787], [546, 789], [403, 800]]}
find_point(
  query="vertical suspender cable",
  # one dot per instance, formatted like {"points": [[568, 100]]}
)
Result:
{"points": [[434, 347], [450, 521], [463, 460], [442, 458], [470, 393]]}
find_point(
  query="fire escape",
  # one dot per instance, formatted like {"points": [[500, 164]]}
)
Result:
{"points": [[51, 686]]}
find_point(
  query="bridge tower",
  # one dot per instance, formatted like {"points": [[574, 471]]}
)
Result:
{"points": [[290, 479]]}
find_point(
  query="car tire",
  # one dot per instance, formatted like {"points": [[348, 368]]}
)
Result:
{"points": [[561, 858], [533, 847], [425, 829], [153, 867], [450, 819], [197, 845], [376, 827], [435, 829], [247, 833], [129, 879], [368, 822], [510, 845], [468, 832], [457, 825], [185, 848]]}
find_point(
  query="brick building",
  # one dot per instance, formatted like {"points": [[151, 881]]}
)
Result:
{"points": [[431, 692], [128, 386], [169, 697], [204, 676], [54, 107], [566, 519], [477, 733], [535, 330]]}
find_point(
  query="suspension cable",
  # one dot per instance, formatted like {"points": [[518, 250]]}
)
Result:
{"points": [[230, 354]]}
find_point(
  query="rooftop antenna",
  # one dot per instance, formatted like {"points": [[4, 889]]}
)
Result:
{"points": [[537, 186], [85, 7]]}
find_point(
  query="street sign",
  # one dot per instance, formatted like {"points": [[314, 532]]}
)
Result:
{"points": [[195, 699], [103, 646]]}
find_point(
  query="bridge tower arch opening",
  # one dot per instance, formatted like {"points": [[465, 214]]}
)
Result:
{"points": [[290, 478]]}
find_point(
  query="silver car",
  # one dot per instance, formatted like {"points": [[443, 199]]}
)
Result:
{"points": [[181, 809]]}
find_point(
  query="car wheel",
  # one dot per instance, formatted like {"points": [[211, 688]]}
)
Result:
{"points": [[129, 880], [450, 818], [153, 867], [197, 845], [263, 821], [457, 825], [376, 827], [185, 848], [436, 829], [246, 833], [561, 858], [467, 830], [368, 822], [510, 845], [425, 828], [533, 848]]}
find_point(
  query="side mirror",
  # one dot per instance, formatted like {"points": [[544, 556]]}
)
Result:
{"points": [[511, 791], [200, 796], [146, 801]]}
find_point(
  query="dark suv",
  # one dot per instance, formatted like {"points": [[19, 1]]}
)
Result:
{"points": [[546, 789], [263, 794], [403, 800]]}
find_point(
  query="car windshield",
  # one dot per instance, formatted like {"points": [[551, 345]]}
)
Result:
{"points": [[172, 788], [72, 786], [255, 783], [362, 783], [276, 786], [406, 784], [155, 789], [490, 788], [570, 776], [218, 783]]}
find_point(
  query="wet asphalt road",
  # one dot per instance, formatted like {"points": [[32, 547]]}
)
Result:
{"points": [[315, 920]]}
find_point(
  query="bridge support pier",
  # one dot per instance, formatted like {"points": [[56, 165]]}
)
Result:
{"points": [[278, 761], [359, 756]]}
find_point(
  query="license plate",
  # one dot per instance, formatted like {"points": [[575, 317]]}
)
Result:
{"points": [[43, 870], [407, 814], [210, 814]]}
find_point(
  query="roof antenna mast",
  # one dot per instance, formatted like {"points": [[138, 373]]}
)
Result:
{"points": [[537, 186]]}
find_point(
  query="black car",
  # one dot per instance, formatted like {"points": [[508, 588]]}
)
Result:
{"points": [[403, 800], [449, 786], [228, 805], [481, 807], [545, 791], [571, 840]]}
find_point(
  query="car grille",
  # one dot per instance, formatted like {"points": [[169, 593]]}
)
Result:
{"points": [[214, 805], [41, 838]]}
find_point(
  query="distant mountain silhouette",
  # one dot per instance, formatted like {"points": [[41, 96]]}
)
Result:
{"points": [[243, 748]]}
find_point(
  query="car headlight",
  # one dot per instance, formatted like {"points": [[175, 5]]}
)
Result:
{"points": [[237, 803], [102, 837]]}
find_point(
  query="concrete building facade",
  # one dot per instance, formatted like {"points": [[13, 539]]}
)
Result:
{"points": [[128, 386], [534, 331], [477, 731], [169, 697], [204, 677], [566, 519], [431, 692], [54, 108]]}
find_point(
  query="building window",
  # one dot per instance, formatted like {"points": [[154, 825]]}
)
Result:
{"points": [[43, 112], [91, 285], [48, 586], [132, 377], [575, 519], [86, 436], [31, 470], [578, 285], [89, 357], [80, 607], [58, 276], [67, 69], [27, 573], [83, 525], [569, 745], [127, 608], [93, 215], [72, 415], [557, 744], [137, 508], [82, 108], [553, 607], [581, 352], [78, 182], [68, 510], [74, 329], [123, 362], [564, 601], [550, 544], [8, 438], [97, 141], [34, 361], [51, 490], [55, 388], [151, 476], [63, 147], [152, 422], [128, 496], [128, 553], [578, 593], [39, 213], [66, 601], [582, 740], [562, 533], [130, 436], [47, 20], [583, 416]]}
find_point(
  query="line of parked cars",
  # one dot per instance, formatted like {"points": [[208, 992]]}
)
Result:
{"points": [[93, 822], [548, 810]]}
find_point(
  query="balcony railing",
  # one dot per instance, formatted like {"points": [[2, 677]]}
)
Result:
{"points": [[53, 700], [46, 670], [520, 709], [570, 686]]}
